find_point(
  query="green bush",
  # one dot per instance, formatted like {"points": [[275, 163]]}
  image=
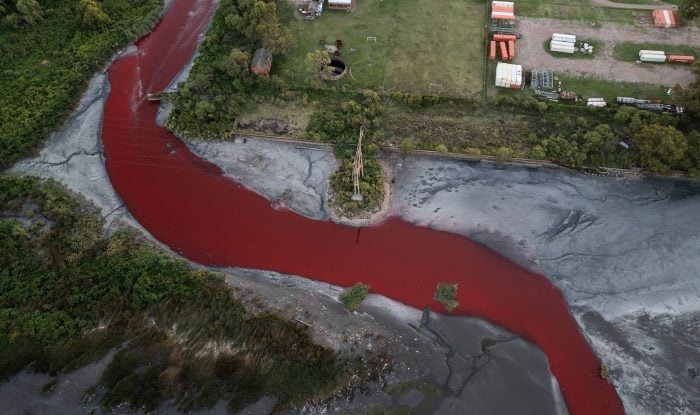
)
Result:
{"points": [[354, 296], [446, 294], [504, 154], [441, 148]]}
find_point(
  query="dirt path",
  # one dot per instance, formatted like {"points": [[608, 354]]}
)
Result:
{"points": [[535, 32], [615, 5]]}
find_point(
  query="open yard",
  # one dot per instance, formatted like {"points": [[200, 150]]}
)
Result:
{"points": [[629, 51], [604, 64], [421, 46]]}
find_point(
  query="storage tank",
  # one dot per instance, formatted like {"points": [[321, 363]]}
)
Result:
{"points": [[561, 47], [596, 103], [564, 38], [652, 58], [681, 59], [651, 52]]}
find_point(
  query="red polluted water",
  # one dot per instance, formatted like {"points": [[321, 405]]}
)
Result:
{"points": [[188, 204]]}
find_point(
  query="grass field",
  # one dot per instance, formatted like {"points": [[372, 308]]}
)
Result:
{"points": [[418, 42], [595, 87], [580, 10], [629, 52]]}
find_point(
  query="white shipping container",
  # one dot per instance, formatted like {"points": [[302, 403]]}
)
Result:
{"points": [[596, 103], [558, 43], [596, 100], [652, 58], [503, 4], [651, 52], [564, 38], [563, 49], [508, 75], [667, 19]]}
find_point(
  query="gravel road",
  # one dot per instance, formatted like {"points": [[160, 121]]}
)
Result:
{"points": [[535, 32]]}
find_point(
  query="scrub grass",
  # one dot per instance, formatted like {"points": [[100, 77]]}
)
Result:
{"points": [[629, 51], [417, 42], [580, 10], [595, 87]]}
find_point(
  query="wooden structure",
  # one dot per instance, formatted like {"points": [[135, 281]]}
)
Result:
{"points": [[262, 62], [357, 170]]}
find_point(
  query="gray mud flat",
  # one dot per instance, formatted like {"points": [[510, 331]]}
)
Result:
{"points": [[625, 254], [74, 156]]}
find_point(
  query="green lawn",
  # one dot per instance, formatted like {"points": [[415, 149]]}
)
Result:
{"points": [[580, 10], [595, 87], [418, 42], [629, 52]]}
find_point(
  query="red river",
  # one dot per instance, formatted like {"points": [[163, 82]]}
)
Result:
{"points": [[188, 204]]}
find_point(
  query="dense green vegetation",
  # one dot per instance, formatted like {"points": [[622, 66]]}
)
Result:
{"points": [[220, 80], [354, 296], [68, 295], [629, 51], [48, 51], [340, 125], [446, 294]]}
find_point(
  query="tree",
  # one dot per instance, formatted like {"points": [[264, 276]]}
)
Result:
{"points": [[236, 63], [406, 146], [660, 148], [689, 97], [689, 9], [563, 151], [597, 143], [537, 152], [91, 14], [504, 154], [693, 154], [30, 10], [276, 38], [315, 62]]}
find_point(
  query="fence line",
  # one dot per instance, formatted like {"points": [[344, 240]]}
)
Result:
{"points": [[515, 161]]}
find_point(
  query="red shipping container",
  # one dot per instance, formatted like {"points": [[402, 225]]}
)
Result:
{"points": [[504, 50], [492, 50], [501, 38], [511, 49]]}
